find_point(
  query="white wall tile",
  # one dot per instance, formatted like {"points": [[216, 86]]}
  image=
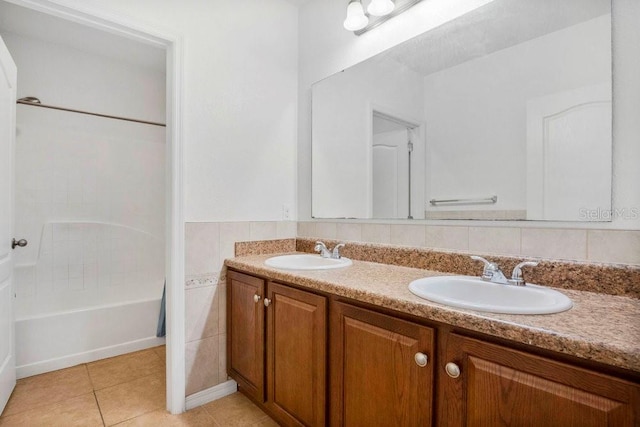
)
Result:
{"points": [[376, 233], [222, 307], [306, 229], [202, 364], [447, 237], [494, 240], [265, 230], [201, 312], [554, 243], [286, 229], [407, 234], [202, 248], [613, 246], [326, 230], [222, 362], [349, 231], [76, 271], [230, 233]]}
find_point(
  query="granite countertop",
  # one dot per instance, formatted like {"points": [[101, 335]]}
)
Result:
{"points": [[601, 328]]}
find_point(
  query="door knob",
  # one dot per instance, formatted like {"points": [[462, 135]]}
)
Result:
{"points": [[22, 243], [256, 298], [267, 302]]}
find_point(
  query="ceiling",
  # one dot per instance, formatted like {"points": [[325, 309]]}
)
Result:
{"points": [[26, 22], [495, 26]]}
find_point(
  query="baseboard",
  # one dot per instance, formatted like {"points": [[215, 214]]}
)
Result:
{"points": [[211, 394], [49, 365]]}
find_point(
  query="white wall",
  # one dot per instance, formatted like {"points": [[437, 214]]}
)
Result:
{"points": [[240, 101], [476, 112], [89, 191], [342, 131], [326, 48]]}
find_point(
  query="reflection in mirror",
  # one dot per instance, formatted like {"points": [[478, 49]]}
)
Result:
{"points": [[507, 108], [393, 143]]}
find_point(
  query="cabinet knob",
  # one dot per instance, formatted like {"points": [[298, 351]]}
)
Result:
{"points": [[256, 298], [452, 370], [267, 302], [421, 359]]}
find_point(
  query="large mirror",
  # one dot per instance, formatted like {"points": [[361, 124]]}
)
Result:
{"points": [[501, 114]]}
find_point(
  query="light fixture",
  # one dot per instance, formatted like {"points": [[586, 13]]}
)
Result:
{"points": [[356, 19], [378, 12], [380, 7]]}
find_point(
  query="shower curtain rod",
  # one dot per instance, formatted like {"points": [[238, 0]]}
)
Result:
{"points": [[35, 102]]}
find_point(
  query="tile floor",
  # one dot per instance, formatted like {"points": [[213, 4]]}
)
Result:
{"points": [[127, 390]]}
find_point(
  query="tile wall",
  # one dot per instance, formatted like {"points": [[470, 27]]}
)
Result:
{"points": [[207, 244], [602, 246]]}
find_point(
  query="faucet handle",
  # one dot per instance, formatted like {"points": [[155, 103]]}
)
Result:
{"points": [[479, 258], [488, 265], [322, 249], [336, 251], [491, 271], [516, 274]]}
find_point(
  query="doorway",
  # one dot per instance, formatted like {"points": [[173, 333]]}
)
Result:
{"points": [[397, 157], [171, 209]]}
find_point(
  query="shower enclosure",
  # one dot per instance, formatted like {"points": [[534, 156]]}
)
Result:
{"points": [[90, 201]]}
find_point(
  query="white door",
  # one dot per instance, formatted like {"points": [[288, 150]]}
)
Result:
{"points": [[569, 154], [7, 138], [390, 183]]}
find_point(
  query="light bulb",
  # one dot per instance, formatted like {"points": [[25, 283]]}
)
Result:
{"points": [[380, 7], [356, 19]]}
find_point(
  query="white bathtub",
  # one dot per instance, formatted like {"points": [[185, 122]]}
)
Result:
{"points": [[59, 340]]}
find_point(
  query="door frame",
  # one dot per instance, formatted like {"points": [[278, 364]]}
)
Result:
{"points": [[100, 19]]}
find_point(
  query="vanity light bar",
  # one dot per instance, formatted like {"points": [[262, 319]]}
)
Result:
{"points": [[492, 199], [374, 21]]}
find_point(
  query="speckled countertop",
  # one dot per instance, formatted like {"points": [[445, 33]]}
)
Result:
{"points": [[601, 328]]}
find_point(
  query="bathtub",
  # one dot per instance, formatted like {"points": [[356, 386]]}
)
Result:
{"points": [[59, 340], [86, 291]]}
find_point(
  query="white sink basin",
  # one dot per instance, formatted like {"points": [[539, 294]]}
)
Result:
{"points": [[475, 294], [306, 262]]}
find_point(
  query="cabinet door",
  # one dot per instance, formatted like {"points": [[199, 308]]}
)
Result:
{"points": [[296, 355], [245, 332], [375, 376], [499, 386]]}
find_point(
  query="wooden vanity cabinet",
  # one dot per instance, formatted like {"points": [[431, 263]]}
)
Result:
{"points": [[296, 356], [276, 346], [381, 369], [499, 386], [245, 332]]}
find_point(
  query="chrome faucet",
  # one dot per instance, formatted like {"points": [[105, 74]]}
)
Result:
{"points": [[492, 272], [516, 275], [326, 253], [322, 249], [336, 251]]}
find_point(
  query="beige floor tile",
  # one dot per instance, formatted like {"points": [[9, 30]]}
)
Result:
{"points": [[78, 411], [125, 401], [161, 351], [267, 422], [48, 388], [197, 417], [121, 369], [235, 410]]}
